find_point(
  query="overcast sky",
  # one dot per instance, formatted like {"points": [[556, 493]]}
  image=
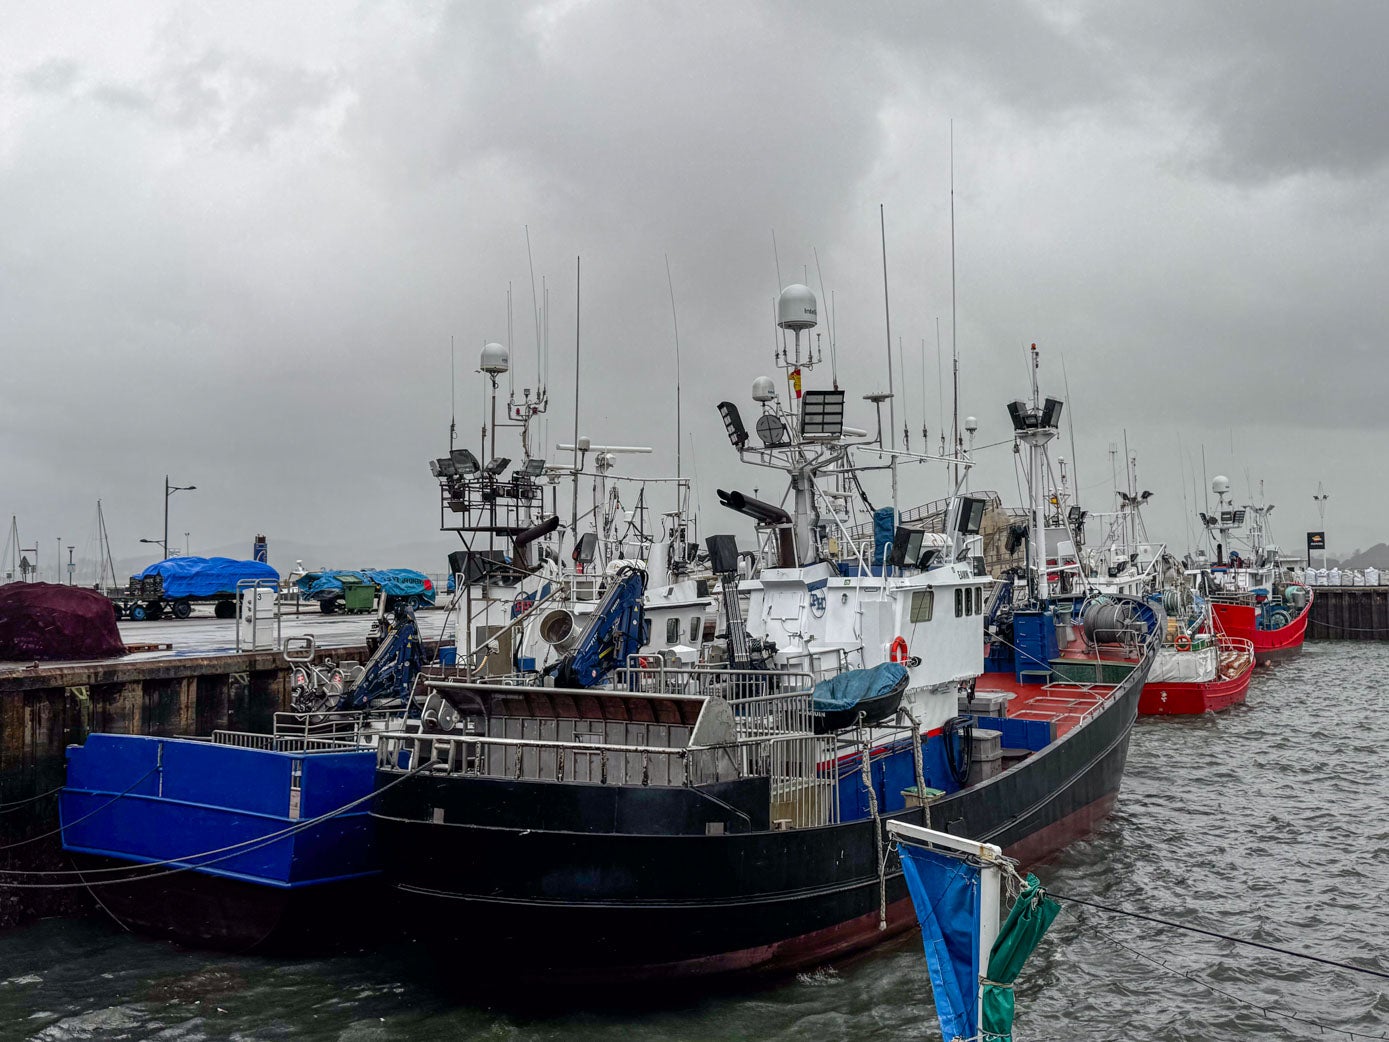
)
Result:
{"points": [[235, 241]]}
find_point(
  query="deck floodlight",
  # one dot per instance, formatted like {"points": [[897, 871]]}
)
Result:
{"points": [[906, 547], [1206, 519], [533, 468], [733, 424], [434, 467], [822, 414], [465, 461], [1075, 517], [971, 518], [723, 554], [1017, 411], [586, 548], [446, 467], [1051, 412], [495, 466], [1239, 517]]}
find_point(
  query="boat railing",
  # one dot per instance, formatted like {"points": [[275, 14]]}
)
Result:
{"points": [[1235, 645], [802, 789], [347, 727], [433, 674], [732, 685], [281, 743]]}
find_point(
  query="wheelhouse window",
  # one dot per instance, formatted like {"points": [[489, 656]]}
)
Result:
{"points": [[979, 600], [696, 628], [959, 603], [923, 604], [672, 631]]}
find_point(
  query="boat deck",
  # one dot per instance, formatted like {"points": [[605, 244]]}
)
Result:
{"points": [[1065, 702]]}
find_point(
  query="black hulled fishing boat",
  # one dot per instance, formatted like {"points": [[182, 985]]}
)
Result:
{"points": [[669, 822]]}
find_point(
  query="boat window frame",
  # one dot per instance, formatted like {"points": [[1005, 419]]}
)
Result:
{"points": [[923, 605]]}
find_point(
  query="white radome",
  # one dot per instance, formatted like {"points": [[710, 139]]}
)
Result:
{"points": [[495, 359], [763, 390], [1220, 484], [796, 308]]}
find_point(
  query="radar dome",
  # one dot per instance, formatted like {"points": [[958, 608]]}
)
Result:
{"points": [[1220, 484], [971, 424], [495, 360], [796, 308], [763, 390]]}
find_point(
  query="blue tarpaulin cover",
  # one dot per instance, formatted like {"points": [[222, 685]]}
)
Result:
{"points": [[850, 688], [394, 582], [884, 528], [206, 576], [945, 893]]}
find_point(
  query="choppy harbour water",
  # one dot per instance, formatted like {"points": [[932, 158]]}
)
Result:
{"points": [[1269, 822]]}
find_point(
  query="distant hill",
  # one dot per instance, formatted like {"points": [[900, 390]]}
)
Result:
{"points": [[1376, 556]]}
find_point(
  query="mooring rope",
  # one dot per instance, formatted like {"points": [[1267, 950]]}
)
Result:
{"points": [[1292, 953], [138, 872], [54, 832], [6, 808], [1202, 982]]}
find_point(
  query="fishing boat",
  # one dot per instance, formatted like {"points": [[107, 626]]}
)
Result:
{"points": [[1253, 593], [1198, 668], [246, 841], [673, 822]]}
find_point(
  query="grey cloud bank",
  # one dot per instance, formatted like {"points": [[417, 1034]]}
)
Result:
{"points": [[236, 242]]}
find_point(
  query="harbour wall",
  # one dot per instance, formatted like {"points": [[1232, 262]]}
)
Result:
{"points": [[46, 708], [1349, 613]]}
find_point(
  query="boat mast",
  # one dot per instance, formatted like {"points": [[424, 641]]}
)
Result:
{"points": [[1035, 424]]}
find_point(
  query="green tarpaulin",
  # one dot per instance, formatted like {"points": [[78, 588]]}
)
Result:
{"points": [[1021, 932]]}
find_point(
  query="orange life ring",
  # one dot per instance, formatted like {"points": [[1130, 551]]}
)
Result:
{"points": [[899, 653], [1183, 643]]}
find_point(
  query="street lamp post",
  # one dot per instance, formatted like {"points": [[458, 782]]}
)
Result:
{"points": [[169, 490], [163, 547]]}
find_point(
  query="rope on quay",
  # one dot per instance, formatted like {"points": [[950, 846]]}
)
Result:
{"points": [[138, 872], [1267, 1011], [1292, 953]]}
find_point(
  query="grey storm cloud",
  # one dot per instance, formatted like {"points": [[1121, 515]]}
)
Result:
{"points": [[237, 244]]}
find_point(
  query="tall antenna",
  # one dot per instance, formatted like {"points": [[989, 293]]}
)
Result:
{"points": [[940, 388], [1205, 480], [925, 445], [834, 362], [535, 307], [902, 369], [453, 395], [1070, 422], [675, 321], [887, 323], [574, 517], [891, 398], [954, 343]]}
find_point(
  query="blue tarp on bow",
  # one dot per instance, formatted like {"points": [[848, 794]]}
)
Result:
{"points": [[846, 690]]}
